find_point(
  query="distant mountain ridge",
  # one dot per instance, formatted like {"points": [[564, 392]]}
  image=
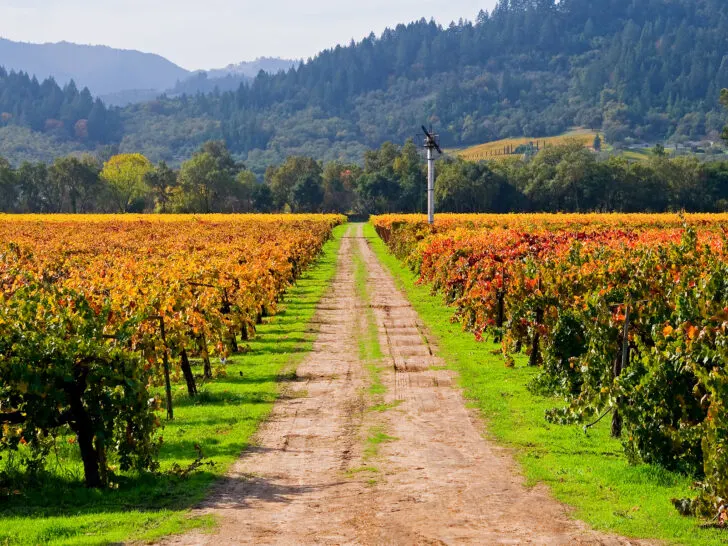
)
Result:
{"points": [[124, 76], [272, 65], [228, 78], [104, 70]]}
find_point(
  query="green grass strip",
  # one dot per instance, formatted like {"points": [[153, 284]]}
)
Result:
{"points": [[221, 420], [587, 472], [377, 436], [370, 351], [371, 355]]}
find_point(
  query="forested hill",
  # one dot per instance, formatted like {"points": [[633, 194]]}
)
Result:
{"points": [[644, 69], [65, 113]]}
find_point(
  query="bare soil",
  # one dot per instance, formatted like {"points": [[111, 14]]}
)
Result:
{"points": [[315, 477]]}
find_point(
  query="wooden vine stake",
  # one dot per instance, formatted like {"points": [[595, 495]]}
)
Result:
{"points": [[225, 310], [500, 309], [165, 365], [620, 363], [500, 302], [535, 357], [233, 341]]}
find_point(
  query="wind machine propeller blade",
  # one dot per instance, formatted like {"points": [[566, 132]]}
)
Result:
{"points": [[431, 138]]}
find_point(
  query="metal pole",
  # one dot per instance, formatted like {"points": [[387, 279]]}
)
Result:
{"points": [[430, 185]]}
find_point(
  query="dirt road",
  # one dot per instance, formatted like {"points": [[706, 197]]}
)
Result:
{"points": [[378, 449]]}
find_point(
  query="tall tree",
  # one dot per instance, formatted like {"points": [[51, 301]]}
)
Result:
{"points": [[409, 167], [339, 181], [33, 187], [207, 182], [246, 190], [294, 183], [468, 187], [308, 193], [7, 186], [74, 184], [125, 176], [161, 181], [724, 102]]}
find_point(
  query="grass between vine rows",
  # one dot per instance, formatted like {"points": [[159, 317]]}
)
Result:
{"points": [[588, 472], [221, 420], [371, 355]]}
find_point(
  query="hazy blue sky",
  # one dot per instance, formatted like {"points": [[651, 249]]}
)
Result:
{"points": [[213, 33]]}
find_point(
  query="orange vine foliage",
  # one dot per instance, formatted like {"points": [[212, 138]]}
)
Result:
{"points": [[623, 314], [92, 309], [207, 276]]}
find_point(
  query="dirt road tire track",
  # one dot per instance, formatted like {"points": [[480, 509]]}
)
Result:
{"points": [[438, 482]]}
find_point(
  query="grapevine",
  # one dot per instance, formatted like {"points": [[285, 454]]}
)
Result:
{"points": [[95, 310], [624, 314]]}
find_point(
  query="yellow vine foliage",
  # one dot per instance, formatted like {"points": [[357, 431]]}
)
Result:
{"points": [[208, 277], [528, 222]]}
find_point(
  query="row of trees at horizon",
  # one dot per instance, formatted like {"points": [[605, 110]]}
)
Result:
{"points": [[568, 178]]}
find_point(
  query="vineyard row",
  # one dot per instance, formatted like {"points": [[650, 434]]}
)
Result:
{"points": [[625, 315], [96, 312]]}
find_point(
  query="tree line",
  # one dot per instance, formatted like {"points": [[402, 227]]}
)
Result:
{"points": [[392, 178], [63, 112]]}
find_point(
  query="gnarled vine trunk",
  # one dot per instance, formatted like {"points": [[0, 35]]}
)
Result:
{"points": [[207, 365], [535, 358], [187, 372], [82, 425]]}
